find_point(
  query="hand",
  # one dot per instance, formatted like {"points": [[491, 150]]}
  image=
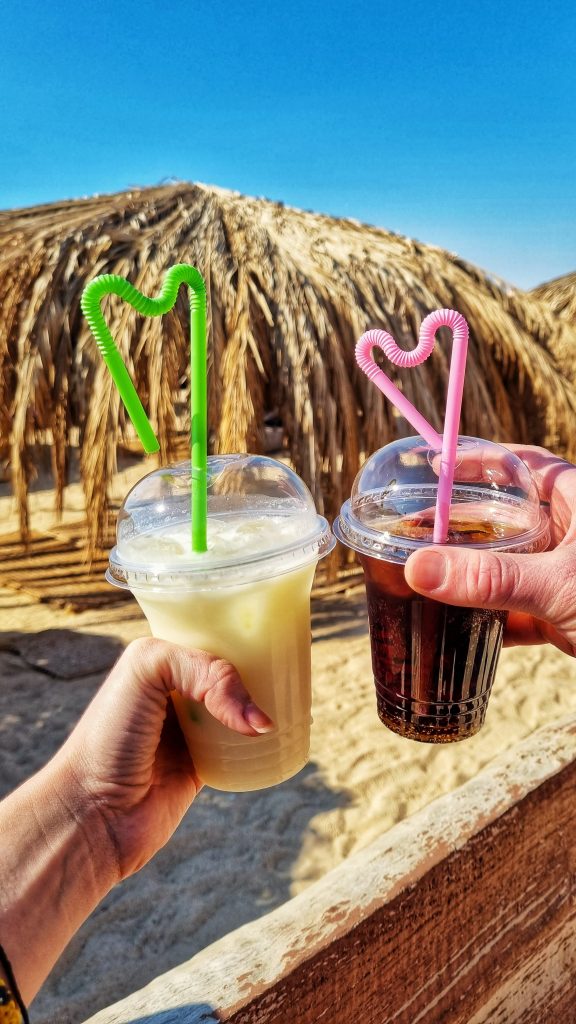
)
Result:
{"points": [[108, 799], [539, 590], [127, 754]]}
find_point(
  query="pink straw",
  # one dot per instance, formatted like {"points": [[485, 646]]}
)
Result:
{"points": [[448, 440]]}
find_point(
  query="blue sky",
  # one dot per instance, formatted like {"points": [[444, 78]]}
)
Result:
{"points": [[451, 122]]}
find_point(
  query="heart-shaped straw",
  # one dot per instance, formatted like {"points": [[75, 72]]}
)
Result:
{"points": [[112, 284], [446, 442]]}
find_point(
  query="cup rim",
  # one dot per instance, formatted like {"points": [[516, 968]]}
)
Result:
{"points": [[389, 546], [129, 575]]}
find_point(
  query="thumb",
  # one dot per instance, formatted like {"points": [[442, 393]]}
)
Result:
{"points": [[529, 583]]}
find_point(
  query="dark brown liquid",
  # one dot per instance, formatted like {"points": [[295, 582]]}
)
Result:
{"points": [[434, 664]]}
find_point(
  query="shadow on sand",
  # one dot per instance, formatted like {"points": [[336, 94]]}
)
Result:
{"points": [[193, 1013], [340, 616], [48, 679]]}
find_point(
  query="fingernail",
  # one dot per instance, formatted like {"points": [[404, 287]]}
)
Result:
{"points": [[428, 570], [257, 720]]}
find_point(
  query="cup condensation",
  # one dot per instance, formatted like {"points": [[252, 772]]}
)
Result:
{"points": [[434, 664], [247, 599]]}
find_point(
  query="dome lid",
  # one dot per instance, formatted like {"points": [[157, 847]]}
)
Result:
{"points": [[261, 521], [495, 502]]}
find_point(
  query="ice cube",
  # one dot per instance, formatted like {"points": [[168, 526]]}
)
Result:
{"points": [[147, 545]]}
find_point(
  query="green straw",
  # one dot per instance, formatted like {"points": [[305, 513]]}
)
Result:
{"points": [[112, 284]]}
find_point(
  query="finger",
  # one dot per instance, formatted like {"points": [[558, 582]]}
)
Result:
{"points": [[526, 630], [549, 471], [226, 699], [497, 466], [539, 585], [522, 630], [482, 463], [162, 667]]}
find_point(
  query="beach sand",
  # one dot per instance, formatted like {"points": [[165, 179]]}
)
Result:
{"points": [[237, 856]]}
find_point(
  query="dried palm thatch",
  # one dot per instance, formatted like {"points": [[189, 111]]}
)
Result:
{"points": [[289, 293], [560, 295]]}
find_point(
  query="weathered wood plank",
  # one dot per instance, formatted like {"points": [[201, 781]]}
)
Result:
{"points": [[543, 989], [463, 914]]}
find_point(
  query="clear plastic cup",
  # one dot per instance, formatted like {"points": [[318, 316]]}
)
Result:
{"points": [[246, 599], [434, 664]]}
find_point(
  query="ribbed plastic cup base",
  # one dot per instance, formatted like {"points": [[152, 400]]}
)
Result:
{"points": [[241, 764], [259, 780], [431, 722]]}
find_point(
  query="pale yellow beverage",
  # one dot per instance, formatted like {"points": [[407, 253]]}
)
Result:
{"points": [[263, 628], [245, 599]]}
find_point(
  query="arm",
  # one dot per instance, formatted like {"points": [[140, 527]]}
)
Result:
{"points": [[55, 866], [108, 800]]}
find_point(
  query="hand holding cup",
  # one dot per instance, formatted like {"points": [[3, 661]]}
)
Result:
{"points": [[538, 590]]}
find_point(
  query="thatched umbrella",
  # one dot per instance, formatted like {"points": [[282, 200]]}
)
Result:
{"points": [[289, 293], [560, 295]]}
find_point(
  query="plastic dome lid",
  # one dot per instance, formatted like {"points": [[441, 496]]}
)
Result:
{"points": [[261, 521], [495, 502]]}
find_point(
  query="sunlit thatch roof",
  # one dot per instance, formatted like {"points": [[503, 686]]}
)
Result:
{"points": [[289, 293], [560, 295]]}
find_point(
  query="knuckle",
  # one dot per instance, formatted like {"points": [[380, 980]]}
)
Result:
{"points": [[142, 649], [149, 664], [565, 568], [222, 690], [221, 677], [490, 578], [142, 645], [149, 651], [563, 589]]}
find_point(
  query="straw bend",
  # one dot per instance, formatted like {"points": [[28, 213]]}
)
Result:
{"points": [[444, 318], [400, 357], [112, 284], [447, 441]]}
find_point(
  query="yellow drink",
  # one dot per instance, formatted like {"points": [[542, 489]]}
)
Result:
{"points": [[263, 628], [245, 599]]}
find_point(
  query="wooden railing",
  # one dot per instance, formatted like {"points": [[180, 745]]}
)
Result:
{"points": [[463, 914]]}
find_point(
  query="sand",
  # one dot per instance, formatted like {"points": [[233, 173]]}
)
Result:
{"points": [[237, 856]]}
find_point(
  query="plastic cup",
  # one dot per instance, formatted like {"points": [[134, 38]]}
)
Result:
{"points": [[434, 664], [246, 599]]}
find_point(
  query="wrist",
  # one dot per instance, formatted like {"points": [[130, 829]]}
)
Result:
{"points": [[68, 807]]}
